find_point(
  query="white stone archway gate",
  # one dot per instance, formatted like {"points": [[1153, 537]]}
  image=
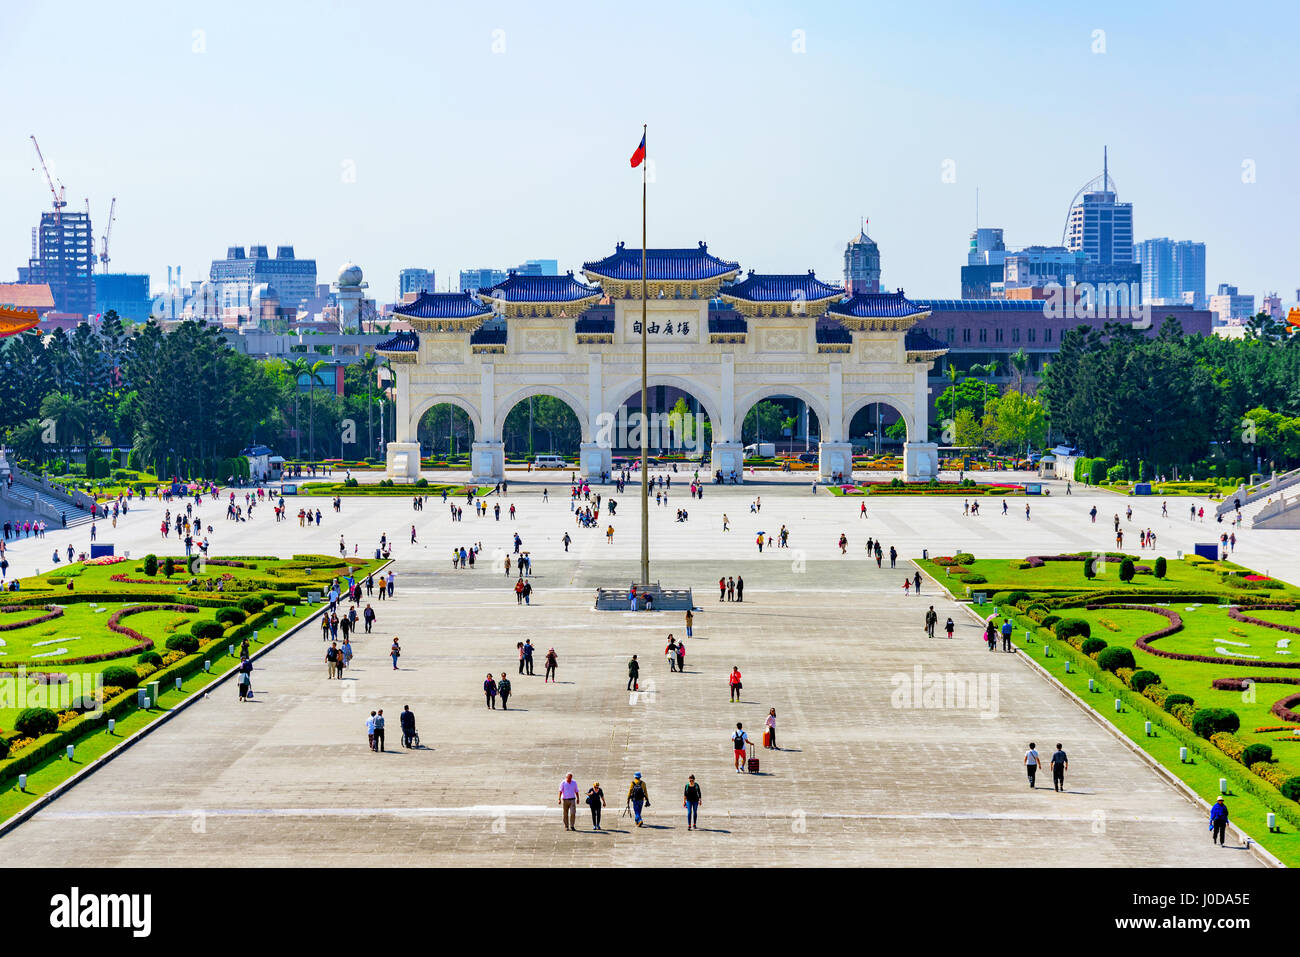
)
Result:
{"points": [[789, 336]]}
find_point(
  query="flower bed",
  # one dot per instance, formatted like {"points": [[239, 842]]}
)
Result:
{"points": [[54, 612]]}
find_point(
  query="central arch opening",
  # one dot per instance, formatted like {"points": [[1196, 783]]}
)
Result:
{"points": [[541, 425], [679, 426]]}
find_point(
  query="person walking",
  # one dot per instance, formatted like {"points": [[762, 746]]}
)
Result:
{"points": [[370, 730], [379, 730], [395, 652], [740, 588], [1006, 635], [1218, 822], [638, 796], [551, 661], [691, 801], [595, 801], [528, 656], [568, 801], [245, 682], [722, 587], [681, 657], [1031, 763], [771, 730], [345, 657], [633, 673], [931, 619], [739, 742], [369, 616], [332, 659], [670, 653], [690, 620], [916, 583], [948, 627], [490, 692], [734, 682], [1059, 765], [503, 689], [520, 646], [893, 555]]}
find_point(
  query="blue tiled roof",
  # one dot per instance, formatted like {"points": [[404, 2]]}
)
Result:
{"points": [[918, 340], [876, 305], [444, 305], [980, 305], [836, 334], [401, 342], [517, 288], [680, 265], [484, 336], [775, 288], [727, 324], [593, 325]]}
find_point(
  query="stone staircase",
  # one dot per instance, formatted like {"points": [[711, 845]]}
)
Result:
{"points": [[1246, 494], [664, 599]]}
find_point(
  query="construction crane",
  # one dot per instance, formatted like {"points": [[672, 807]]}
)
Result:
{"points": [[59, 201], [108, 232]]}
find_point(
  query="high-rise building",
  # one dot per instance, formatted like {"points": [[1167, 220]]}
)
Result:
{"points": [[539, 267], [127, 294], [861, 263], [1271, 304], [1228, 304], [1098, 224], [986, 247], [472, 280], [65, 261], [981, 277], [415, 280], [1171, 269], [236, 276]]}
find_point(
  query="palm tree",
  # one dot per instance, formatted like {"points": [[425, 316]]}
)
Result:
{"points": [[313, 372], [1019, 364], [71, 416]]}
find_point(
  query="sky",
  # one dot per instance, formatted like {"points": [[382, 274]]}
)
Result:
{"points": [[461, 135]]}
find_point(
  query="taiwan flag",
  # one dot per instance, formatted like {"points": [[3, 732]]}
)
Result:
{"points": [[639, 156]]}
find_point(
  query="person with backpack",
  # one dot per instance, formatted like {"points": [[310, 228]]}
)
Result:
{"points": [[503, 689], [633, 673], [638, 796], [691, 801], [739, 742], [948, 627]]}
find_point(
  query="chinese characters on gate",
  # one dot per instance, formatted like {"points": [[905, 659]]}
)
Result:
{"points": [[665, 329]]}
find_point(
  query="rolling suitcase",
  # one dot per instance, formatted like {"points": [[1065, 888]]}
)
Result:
{"points": [[767, 738], [753, 761]]}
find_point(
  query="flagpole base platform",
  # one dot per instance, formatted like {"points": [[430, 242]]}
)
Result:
{"points": [[596, 460], [728, 460], [661, 599]]}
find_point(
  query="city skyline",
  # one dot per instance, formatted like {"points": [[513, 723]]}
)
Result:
{"points": [[349, 177]]}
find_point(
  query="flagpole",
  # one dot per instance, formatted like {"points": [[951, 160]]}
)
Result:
{"points": [[645, 409]]}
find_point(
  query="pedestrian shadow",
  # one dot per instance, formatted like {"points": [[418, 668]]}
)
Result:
{"points": [[512, 710], [788, 750], [713, 830], [658, 827]]}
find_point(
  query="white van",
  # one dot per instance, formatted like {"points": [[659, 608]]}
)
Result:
{"points": [[549, 462]]}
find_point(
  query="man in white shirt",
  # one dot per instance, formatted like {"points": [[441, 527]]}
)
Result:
{"points": [[370, 730], [1031, 763], [391, 579], [568, 801]]}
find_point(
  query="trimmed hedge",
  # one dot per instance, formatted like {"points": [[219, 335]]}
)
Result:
{"points": [[186, 643], [1174, 700], [1207, 722], [1093, 646], [119, 676], [1068, 628], [231, 615], [1161, 567], [1141, 680], [1114, 658], [204, 630], [34, 722]]}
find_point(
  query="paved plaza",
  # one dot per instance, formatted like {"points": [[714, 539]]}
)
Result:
{"points": [[862, 778]]}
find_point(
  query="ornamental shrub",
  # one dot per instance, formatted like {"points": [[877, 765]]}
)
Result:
{"points": [[1143, 679], [186, 643], [1089, 569], [1016, 597], [205, 630], [120, 676], [1161, 567], [1124, 674], [1126, 570], [34, 722], [150, 658], [1114, 657], [1067, 628], [1207, 722], [1184, 713], [1092, 646], [252, 604], [964, 558], [1097, 471], [1050, 622], [151, 565], [420, 483], [1255, 753], [1291, 789], [1157, 694], [975, 578], [1174, 700], [232, 616], [169, 567]]}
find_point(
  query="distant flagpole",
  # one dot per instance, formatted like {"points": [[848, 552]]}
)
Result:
{"points": [[645, 409]]}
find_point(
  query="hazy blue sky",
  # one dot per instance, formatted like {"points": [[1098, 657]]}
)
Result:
{"points": [[490, 133]]}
